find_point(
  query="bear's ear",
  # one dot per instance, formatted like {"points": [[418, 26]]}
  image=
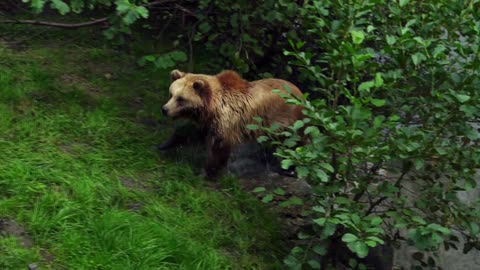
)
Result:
{"points": [[176, 74], [200, 86]]}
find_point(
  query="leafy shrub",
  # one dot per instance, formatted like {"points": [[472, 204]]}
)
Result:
{"points": [[394, 139], [247, 35]]}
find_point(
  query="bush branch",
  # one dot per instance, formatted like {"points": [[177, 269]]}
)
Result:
{"points": [[380, 200]]}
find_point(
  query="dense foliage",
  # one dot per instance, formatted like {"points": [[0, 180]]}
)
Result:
{"points": [[395, 139], [392, 118]]}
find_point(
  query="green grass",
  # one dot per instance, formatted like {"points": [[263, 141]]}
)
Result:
{"points": [[79, 170]]}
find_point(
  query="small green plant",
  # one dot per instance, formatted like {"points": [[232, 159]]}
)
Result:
{"points": [[392, 134], [164, 61]]}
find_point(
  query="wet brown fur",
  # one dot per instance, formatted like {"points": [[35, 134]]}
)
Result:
{"points": [[229, 105], [230, 80]]}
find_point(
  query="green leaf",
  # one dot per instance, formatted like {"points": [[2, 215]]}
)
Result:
{"points": [[439, 228], [440, 150], [342, 200], [37, 5], [320, 221], [391, 40], [418, 58], [268, 198], [375, 230], [438, 50], [474, 228], [378, 102], [321, 175], [262, 139], [179, 56], [377, 122], [257, 119], [275, 127], [419, 164], [378, 80], [286, 164], [462, 98], [366, 86], [403, 2], [359, 247], [468, 110], [312, 130], [352, 263], [302, 171], [357, 36], [320, 249], [319, 209], [327, 167], [259, 189], [355, 218], [279, 191], [253, 127], [142, 11], [298, 124], [123, 6], [314, 264], [420, 40], [302, 236], [204, 27], [149, 58], [292, 201], [61, 6], [289, 143], [376, 221], [419, 220], [130, 17], [376, 239], [371, 243], [348, 237], [329, 229]]}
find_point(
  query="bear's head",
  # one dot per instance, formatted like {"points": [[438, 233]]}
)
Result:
{"points": [[190, 95]]}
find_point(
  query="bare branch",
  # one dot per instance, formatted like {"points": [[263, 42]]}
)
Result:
{"points": [[55, 24], [75, 25]]}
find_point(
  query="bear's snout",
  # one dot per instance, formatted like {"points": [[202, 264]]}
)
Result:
{"points": [[165, 110]]}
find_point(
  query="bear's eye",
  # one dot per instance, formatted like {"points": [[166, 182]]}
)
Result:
{"points": [[180, 99]]}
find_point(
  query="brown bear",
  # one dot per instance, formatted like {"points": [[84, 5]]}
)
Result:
{"points": [[224, 105]]}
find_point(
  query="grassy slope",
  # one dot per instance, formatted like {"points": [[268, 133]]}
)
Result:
{"points": [[78, 170]]}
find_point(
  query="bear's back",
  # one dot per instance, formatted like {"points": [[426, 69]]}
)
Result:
{"points": [[270, 106], [267, 85]]}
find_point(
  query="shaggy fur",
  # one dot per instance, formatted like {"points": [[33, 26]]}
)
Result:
{"points": [[225, 104]]}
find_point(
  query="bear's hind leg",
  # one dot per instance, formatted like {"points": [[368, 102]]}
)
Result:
{"points": [[218, 154]]}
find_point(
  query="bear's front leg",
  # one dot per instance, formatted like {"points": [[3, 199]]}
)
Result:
{"points": [[171, 142], [184, 133], [218, 154]]}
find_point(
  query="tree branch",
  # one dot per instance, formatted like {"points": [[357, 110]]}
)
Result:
{"points": [[380, 200], [55, 24], [76, 25]]}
